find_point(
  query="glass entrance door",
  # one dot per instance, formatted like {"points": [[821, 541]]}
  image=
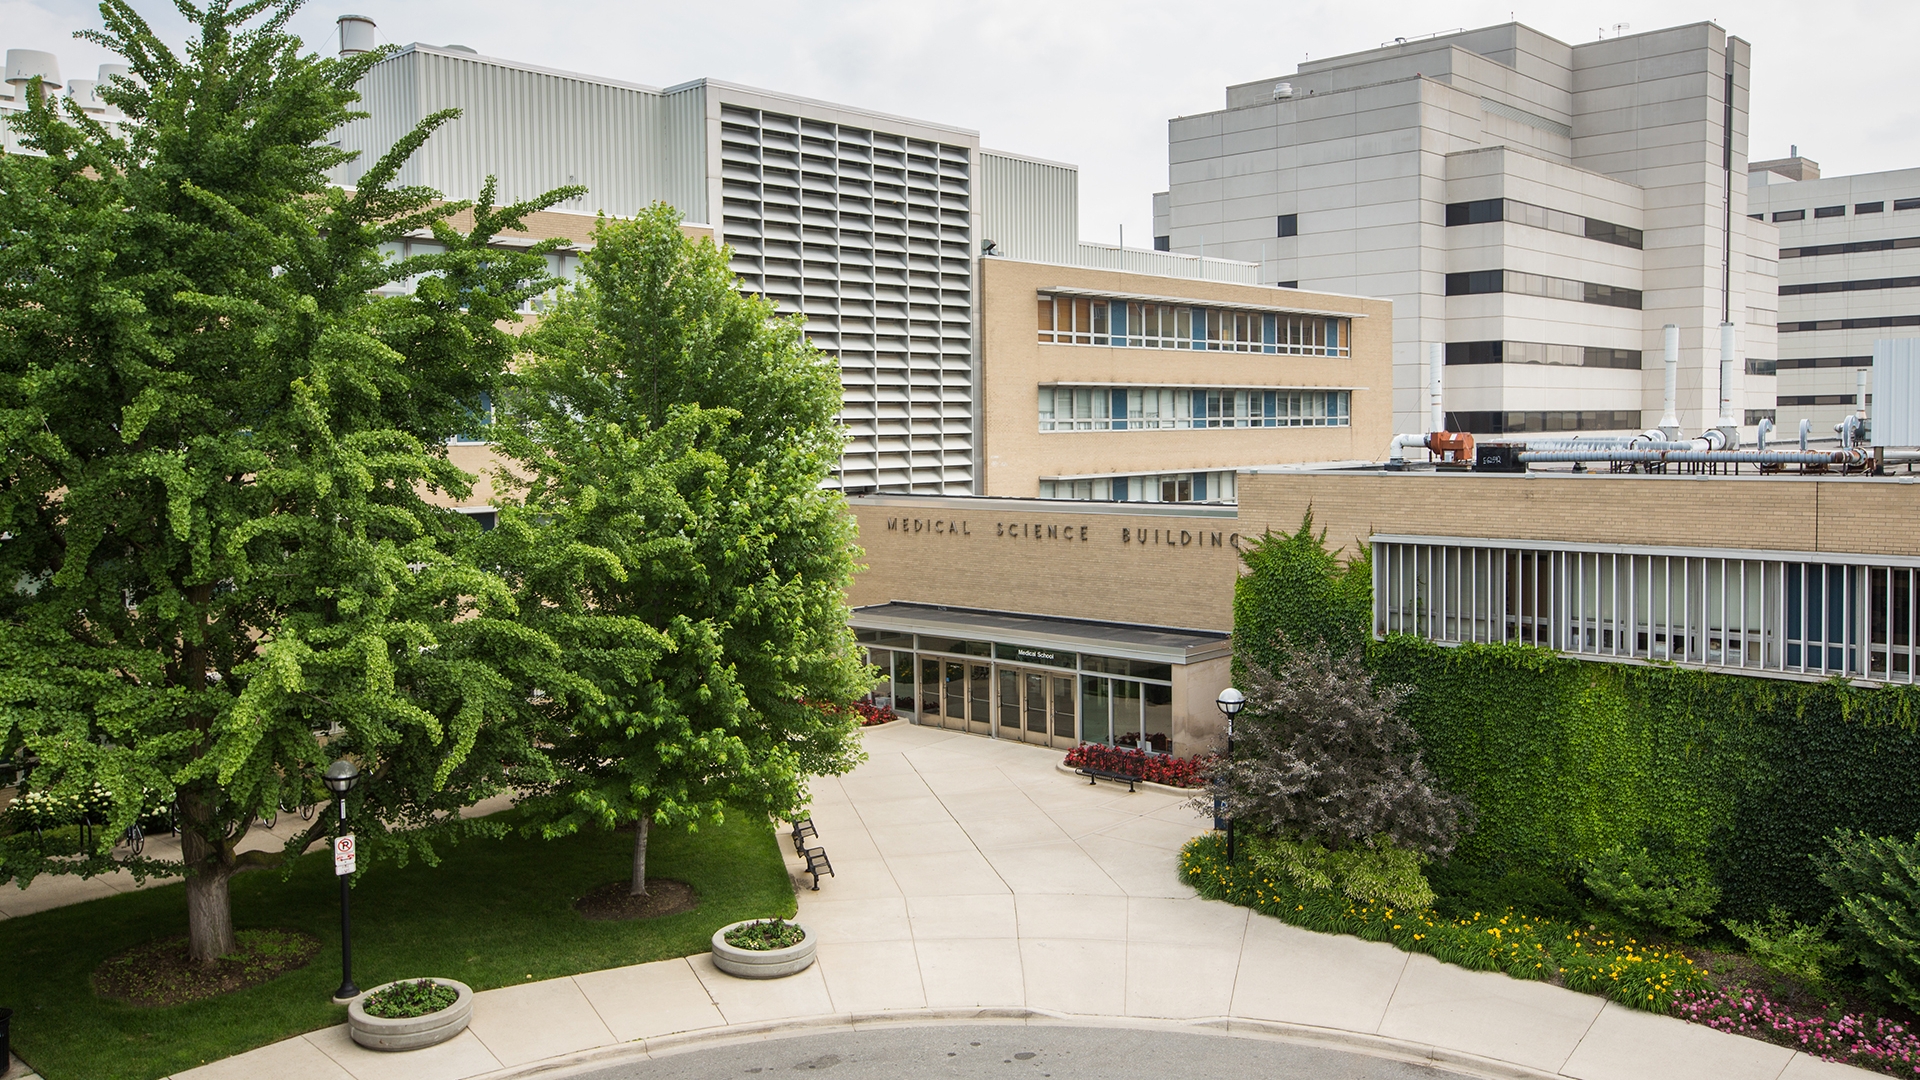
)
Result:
{"points": [[1063, 726], [979, 699], [955, 688], [1009, 727], [1036, 711]]}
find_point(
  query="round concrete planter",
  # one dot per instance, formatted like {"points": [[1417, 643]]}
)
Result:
{"points": [[761, 964], [413, 1032]]}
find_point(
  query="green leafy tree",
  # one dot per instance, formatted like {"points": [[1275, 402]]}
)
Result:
{"points": [[1876, 884], [671, 440], [214, 533]]}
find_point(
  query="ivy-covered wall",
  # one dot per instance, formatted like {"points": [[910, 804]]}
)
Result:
{"points": [[1563, 758]]}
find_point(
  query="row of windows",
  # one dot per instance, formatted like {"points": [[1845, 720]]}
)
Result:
{"points": [[1732, 610], [1534, 352], [1481, 211], [1807, 362], [1064, 408], [1476, 282], [1216, 486], [1081, 321], [1517, 423], [1862, 285], [1876, 207], [1817, 399], [1875, 323], [1762, 367], [1856, 247], [1754, 416], [1114, 712]]}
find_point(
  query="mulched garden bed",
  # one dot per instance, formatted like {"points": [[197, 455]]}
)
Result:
{"points": [[157, 973], [612, 903]]}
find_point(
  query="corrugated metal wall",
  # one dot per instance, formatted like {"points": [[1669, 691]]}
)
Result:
{"points": [[1029, 209], [536, 131]]}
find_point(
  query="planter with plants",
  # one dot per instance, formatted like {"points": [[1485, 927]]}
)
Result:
{"points": [[410, 1014], [763, 948]]}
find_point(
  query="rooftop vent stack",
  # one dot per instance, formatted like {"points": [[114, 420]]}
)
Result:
{"points": [[1669, 416], [1436, 416], [1282, 91], [357, 35], [1728, 423], [83, 93], [104, 78], [25, 65]]}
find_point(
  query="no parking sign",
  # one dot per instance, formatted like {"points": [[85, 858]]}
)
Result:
{"points": [[343, 863]]}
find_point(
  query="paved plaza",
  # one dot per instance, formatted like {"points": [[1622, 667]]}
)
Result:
{"points": [[977, 882]]}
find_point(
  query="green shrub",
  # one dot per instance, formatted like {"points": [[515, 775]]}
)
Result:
{"points": [[1464, 888], [1521, 945], [404, 1000], [1653, 891], [1383, 872], [1877, 883], [1786, 947]]}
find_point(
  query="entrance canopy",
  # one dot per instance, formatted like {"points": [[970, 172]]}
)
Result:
{"points": [[1154, 644]]}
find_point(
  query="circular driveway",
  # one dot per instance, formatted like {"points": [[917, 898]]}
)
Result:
{"points": [[1019, 1052]]}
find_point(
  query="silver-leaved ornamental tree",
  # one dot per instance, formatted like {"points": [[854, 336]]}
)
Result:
{"points": [[671, 440], [219, 426]]}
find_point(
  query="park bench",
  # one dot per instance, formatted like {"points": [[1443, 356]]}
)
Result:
{"points": [[801, 830], [817, 863], [1094, 776]]}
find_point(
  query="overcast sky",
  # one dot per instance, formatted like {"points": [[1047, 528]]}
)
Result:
{"points": [[1093, 83]]}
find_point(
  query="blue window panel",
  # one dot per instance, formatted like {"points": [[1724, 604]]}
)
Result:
{"points": [[1199, 408], [1271, 407], [1199, 328], [1269, 334], [1117, 318], [1119, 410], [1199, 487], [1333, 336]]}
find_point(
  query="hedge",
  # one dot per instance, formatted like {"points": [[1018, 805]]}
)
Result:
{"points": [[1562, 758]]}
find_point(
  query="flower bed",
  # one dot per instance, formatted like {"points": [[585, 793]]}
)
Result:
{"points": [[1643, 976], [405, 1000], [766, 935], [1154, 768], [868, 713], [1867, 1042]]}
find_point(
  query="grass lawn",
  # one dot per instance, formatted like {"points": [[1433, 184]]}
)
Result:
{"points": [[491, 914]]}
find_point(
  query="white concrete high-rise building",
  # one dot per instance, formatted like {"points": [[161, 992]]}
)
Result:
{"points": [[1849, 275], [1542, 208]]}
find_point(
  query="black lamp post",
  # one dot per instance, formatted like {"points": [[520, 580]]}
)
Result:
{"points": [[340, 777], [1230, 702]]}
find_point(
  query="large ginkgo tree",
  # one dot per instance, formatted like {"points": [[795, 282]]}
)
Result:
{"points": [[222, 418]]}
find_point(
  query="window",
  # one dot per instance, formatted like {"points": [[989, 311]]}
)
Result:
{"points": [[1754, 416], [1286, 284], [479, 419], [1854, 248], [1289, 224], [1815, 399], [1163, 243], [1789, 215], [1845, 615], [1142, 325], [1872, 323], [1481, 211], [1869, 207], [1105, 408], [1865, 285], [1758, 217], [1829, 211], [1906, 204], [1476, 282], [1531, 352], [1761, 367], [1202, 487], [486, 518], [1807, 362], [1518, 423]]}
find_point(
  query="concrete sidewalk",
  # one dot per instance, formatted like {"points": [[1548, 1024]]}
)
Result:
{"points": [[976, 881]]}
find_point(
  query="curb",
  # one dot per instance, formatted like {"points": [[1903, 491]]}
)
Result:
{"points": [[1378, 1046], [1147, 785]]}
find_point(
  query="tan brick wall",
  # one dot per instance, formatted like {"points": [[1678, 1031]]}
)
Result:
{"points": [[981, 553], [1015, 453], [1032, 559]]}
